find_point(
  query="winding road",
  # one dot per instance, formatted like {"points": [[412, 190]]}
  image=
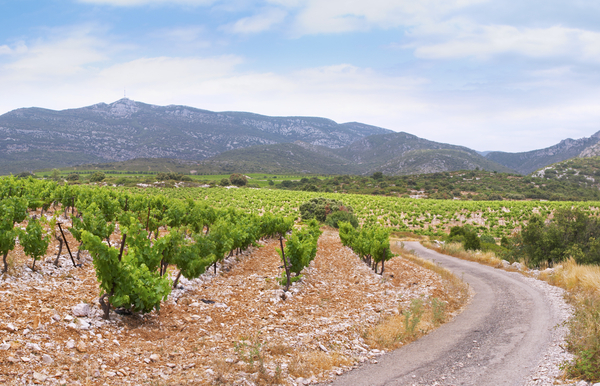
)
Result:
{"points": [[498, 339]]}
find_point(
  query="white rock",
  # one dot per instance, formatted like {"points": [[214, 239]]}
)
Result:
{"points": [[70, 343], [81, 310], [33, 346], [68, 318], [4, 346], [154, 357], [39, 377], [83, 325], [46, 359], [56, 317]]}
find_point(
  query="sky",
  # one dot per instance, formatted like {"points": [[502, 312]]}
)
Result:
{"points": [[507, 75]]}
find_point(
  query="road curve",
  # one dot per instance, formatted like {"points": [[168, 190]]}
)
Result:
{"points": [[497, 340]]}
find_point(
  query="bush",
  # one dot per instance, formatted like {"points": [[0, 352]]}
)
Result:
{"points": [[225, 182], [335, 218], [97, 177], [238, 179], [73, 177], [319, 208]]}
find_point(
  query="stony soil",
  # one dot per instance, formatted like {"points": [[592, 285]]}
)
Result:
{"points": [[229, 328]]}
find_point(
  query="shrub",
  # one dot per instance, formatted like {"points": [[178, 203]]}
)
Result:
{"points": [[335, 218], [319, 208], [225, 182], [97, 177], [73, 177], [238, 179]]}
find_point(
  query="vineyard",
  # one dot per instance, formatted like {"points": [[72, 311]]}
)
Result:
{"points": [[108, 285], [426, 217]]}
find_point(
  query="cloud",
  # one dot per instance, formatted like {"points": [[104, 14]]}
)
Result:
{"points": [[133, 3], [485, 41], [258, 23], [336, 16]]}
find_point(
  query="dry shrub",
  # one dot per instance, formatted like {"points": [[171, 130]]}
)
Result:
{"points": [[305, 365], [572, 276], [279, 349]]}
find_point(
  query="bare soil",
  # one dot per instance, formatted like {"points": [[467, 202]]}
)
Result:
{"points": [[229, 328]]}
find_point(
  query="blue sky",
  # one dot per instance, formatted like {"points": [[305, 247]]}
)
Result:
{"points": [[491, 75]]}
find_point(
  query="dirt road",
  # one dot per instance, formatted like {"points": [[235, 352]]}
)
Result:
{"points": [[498, 340]]}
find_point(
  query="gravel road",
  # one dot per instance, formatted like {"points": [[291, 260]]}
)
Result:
{"points": [[505, 336]]}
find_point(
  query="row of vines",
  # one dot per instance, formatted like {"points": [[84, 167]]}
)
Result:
{"points": [[134, 238]]}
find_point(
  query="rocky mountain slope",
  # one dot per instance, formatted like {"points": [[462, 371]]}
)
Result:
{"points": [[32, 138], [527, 162], [392, 153]]}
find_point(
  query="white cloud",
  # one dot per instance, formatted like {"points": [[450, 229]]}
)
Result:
{"points": [[132, 3], [5, 50], [484, 41], [334, 16], [258, 23]]}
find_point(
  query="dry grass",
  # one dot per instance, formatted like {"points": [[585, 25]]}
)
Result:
{"points": [[315, 362], [572, 276], [457, 250]]}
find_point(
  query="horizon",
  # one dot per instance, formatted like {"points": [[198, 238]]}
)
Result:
{"points": [[516, 76]]}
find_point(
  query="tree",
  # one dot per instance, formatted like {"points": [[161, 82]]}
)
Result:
{"points": [[97, 177], [55, 174], [238, 179]]}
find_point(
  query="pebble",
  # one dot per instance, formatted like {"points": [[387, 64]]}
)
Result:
{"points": [[47, 359]]}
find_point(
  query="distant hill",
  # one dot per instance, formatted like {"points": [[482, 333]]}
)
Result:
{"points": [[527, 162], [31, 138], [584, 172]]}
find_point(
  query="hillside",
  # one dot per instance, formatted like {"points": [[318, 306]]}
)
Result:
{"points": [[584, 172], [528, 162], [32, 137]]}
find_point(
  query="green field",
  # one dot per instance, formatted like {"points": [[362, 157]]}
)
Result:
{"points": [[428, 217]]}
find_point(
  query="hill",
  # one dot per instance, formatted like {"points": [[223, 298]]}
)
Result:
{"points": [[125, 129], [528, 162]]}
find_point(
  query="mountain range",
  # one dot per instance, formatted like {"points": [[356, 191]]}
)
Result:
{"points": [[35, 138]]}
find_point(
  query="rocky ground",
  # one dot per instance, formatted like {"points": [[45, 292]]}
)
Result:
{"points": [[232, 327]]}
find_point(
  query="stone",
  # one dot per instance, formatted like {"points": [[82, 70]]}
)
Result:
{"points": [[9, 327], [83, 325], [154, 357], [81, 346], [68, 318], [70, 344], [171, 365], [4, 346], [47, 359], [505, 264], [81, 310], [56, 317], [39, 377], [518, 266]]}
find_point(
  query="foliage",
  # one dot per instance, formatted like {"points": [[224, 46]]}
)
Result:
{"points": [[571, 233], [97, 177], [319, 208], [172, 176], [34, 241], [371, 244], [238, 179], [335, 218]]}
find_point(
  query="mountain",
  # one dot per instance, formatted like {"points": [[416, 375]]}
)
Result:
{"points": [[32, 138], [527, 162], [392, 154]]}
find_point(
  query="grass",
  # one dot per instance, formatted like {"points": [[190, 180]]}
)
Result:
{"points": [[582, 283]]}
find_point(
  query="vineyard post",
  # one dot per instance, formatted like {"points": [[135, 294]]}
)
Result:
{"points": [[66, 243]]}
